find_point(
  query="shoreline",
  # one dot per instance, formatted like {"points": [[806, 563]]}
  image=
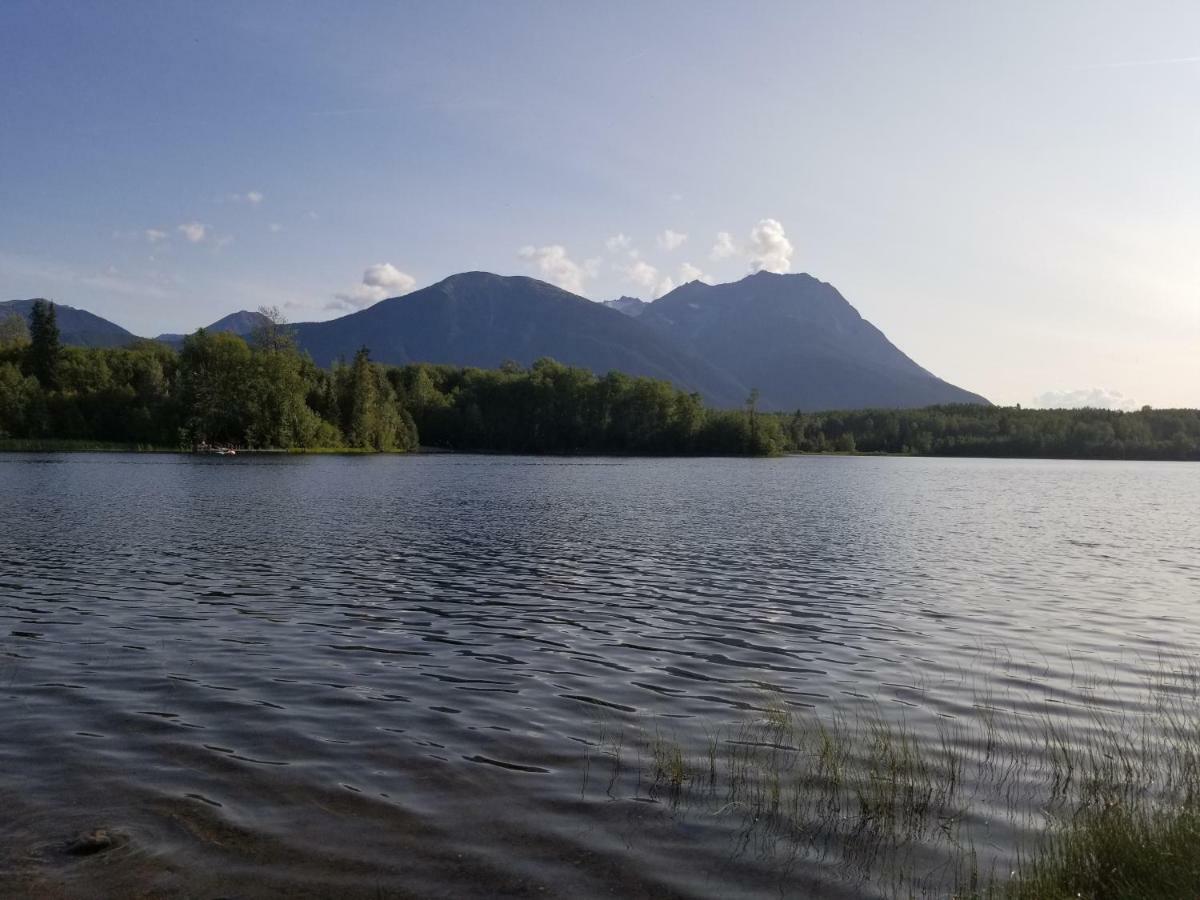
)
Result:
{"points": [[23, 445]]}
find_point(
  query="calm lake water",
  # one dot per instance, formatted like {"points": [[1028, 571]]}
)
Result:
{"points": [[445, 675]]}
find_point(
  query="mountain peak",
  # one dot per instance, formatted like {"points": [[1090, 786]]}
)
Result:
{"points": [[630, 306], [75, 326], [790, 335], [800, 342], [243, 323]]}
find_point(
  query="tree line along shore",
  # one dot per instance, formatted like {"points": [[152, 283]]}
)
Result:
{"points": [[261, 392]]}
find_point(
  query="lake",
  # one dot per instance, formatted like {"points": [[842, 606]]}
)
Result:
{"points": [[466, 676]]}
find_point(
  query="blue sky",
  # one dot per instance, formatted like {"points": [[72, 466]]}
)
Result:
{"points": [[1010, 191]]}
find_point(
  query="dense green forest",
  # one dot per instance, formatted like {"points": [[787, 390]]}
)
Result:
{"points": [[264, 393], [220, 389], [970, 430]]}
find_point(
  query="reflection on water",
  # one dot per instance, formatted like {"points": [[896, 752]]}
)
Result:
{"points": [[451, 676]]}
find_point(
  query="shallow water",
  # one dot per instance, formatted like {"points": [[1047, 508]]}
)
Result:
{"points": [[390, 676]]}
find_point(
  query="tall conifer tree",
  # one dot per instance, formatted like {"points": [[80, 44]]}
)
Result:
{"points": [[45, 348]]}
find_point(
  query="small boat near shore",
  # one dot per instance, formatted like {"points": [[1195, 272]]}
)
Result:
{"points": [[214, 450]]}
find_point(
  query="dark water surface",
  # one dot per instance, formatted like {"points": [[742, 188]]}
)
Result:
{"points": [[396, 676]]}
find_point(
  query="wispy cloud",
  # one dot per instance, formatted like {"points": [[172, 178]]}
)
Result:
{"points": [[253, 198], [723, 247], [650, 280], [195, 232], [640, 273], [556, 266], [617, 243], [49, 277], [767, 250], [671, 240], [1095, 398], [379, 282]]}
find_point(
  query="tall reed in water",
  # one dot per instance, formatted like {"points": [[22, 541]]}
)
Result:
{"points": [[1000, 805]]}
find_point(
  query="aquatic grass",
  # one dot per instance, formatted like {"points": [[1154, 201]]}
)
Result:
{"points": [[1122, 850], [669, 761], [1017, 800]]}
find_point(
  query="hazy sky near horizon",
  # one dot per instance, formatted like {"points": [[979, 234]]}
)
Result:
{"points": [[1010, 191]]}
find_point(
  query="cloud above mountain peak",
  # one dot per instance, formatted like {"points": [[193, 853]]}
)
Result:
{"points": [[380, 281], [556, 266], [770, 250]]}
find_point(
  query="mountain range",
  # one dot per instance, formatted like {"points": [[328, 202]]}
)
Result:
{"points": [[792, 337], [77, 327]]}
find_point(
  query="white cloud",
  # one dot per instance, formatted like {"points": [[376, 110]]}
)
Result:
{"points": [[388, 278], [379, 282], [671, 240], [770, 250], [1096, 398], [641, 273], [275, 227], [554, 265], [724, 247], [153, 235], [688, 272], [617, 243], [194, 231], [648, 277], [252, 197]]}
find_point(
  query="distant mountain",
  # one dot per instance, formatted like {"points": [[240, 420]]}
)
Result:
{"points": [[792, 337], [631, 306], [799, 342], [480, 319], [76, 327], [243, 324]]}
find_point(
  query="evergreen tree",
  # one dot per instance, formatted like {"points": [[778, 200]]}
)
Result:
{"points": [[364, 403], [45, 349]]}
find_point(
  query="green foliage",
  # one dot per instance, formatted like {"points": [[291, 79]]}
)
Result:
{"points": [[45, 348], [215, 388], [274, 333], [219, 389], [552, 408], [19, 396], [371, 416], [14, 332], [968, 430]]}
